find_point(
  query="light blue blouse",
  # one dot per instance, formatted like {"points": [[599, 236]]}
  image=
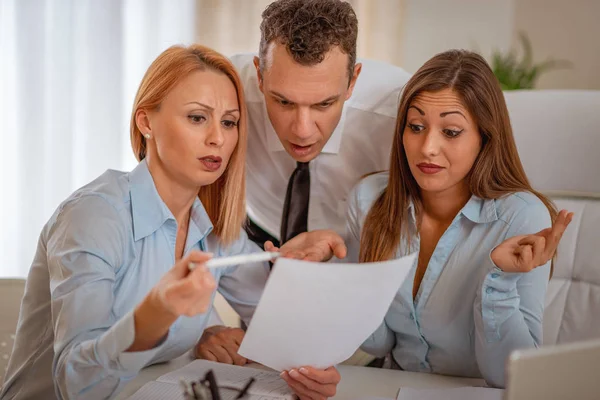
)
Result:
{"points": [[100, 253], [468, 315]]}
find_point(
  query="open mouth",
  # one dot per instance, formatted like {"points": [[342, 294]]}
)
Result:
{"points": [[302, 151], [211, 163]]}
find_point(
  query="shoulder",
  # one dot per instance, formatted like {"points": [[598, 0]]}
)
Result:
{"points": [[109, 190], [101, 206], [378, 87], [365, 193], [523, 211]]}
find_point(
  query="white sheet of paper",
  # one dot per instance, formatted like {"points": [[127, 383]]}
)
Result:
{"points": [[461, 393], [318, 314]]}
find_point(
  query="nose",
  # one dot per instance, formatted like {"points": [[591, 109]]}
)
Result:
{"points": [[432, 142], [302, 126], [215, 136]]}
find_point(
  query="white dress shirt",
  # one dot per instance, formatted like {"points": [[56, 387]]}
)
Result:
{"points": [[359, 145]]}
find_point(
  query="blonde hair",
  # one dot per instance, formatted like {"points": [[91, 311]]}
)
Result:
{"points": [[224, 200], [497, 171]]}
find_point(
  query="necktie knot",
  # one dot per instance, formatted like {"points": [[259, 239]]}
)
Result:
{"points": [[301, 165]]}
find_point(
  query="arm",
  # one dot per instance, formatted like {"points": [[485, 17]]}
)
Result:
{"points": [[242, 286], [84, 253], [96, 352], [509, 306], [383, 340]]}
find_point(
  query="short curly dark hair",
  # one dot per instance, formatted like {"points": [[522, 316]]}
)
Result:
{"points": [[309, 29]]}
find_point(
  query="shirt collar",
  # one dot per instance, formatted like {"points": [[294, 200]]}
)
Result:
{"points": [[149, 212], [331, 147], [478, 210]]}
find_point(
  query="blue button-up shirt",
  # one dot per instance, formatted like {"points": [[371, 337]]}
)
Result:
{"points": [[100, 253], [468, 314]]}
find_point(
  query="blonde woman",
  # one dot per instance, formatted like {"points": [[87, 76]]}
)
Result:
{"points": [[109, 291], [457, 194]]}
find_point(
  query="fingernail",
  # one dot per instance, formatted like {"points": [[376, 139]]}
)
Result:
{"points": [[294, 373], [304, 371]]}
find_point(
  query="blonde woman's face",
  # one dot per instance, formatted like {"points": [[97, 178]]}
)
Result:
{"points": [[195, 129], [441, 141]]}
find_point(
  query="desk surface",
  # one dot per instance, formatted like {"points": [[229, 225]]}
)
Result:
{"points": [[357, 382]]}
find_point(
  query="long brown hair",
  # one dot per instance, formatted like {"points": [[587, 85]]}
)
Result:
{"points": [[497, 171], [224, 200]]}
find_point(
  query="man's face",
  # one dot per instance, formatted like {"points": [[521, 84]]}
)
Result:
{"points": [[305, 103]]}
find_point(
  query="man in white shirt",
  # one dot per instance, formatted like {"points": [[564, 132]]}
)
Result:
{"points": [[314, 129], [310, 102]]}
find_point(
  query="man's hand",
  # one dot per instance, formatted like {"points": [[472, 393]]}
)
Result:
{"points": [[221, 344], [318, 245]]}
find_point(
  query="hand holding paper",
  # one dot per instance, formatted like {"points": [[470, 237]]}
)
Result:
{"points": [[318, 314]]}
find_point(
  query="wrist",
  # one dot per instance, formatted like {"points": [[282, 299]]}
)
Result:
{"points": [[495, 259], [152, 322]]}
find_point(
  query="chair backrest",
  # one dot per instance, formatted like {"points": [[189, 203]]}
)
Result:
{"points": [[558, 137], [11, 293]]}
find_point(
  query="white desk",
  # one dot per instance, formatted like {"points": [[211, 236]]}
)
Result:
{"points": [[357, 382]]}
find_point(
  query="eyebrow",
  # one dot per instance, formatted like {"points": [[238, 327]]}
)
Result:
{"points": [[234, 110], [452, 112], [330, 98], [441, 115], [418, 109]]}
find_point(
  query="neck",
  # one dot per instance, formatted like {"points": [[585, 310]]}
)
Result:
{"points": [[178, 197], [443, 206]]}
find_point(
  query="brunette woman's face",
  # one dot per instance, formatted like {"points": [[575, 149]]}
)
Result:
{"points": [[441, 141]]}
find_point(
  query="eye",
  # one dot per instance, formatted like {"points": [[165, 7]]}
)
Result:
{"points": [[452, 133], [197, 118], [284, 103], [416, 128], [229, 124], [325, 105]]}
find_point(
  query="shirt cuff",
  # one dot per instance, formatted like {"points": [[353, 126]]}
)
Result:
{"points": [[111, 347], [498, 280]]}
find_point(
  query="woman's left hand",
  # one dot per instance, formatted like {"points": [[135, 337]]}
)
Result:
{"points": [[312, 384], [318, 245], [526, 252]]}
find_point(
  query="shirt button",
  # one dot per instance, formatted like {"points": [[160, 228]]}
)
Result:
{"points": [[489, 290], [495, 275]]}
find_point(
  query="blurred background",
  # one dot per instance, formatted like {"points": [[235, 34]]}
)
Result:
{"points": [[69, 70]]}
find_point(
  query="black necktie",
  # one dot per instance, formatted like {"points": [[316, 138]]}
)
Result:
{"points": [[295, 209]]}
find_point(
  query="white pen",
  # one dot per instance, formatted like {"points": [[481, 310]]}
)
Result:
{"points": [[237, 260]]}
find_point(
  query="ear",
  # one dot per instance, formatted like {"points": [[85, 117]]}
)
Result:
{"points": [[258, 73], [355, 74], [142, 121]]}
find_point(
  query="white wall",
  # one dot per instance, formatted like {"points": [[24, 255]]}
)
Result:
{"points": [[568, 30], [433, 26], [409, 32]]}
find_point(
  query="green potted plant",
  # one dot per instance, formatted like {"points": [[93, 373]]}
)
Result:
{"points": [[521, 73]]}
